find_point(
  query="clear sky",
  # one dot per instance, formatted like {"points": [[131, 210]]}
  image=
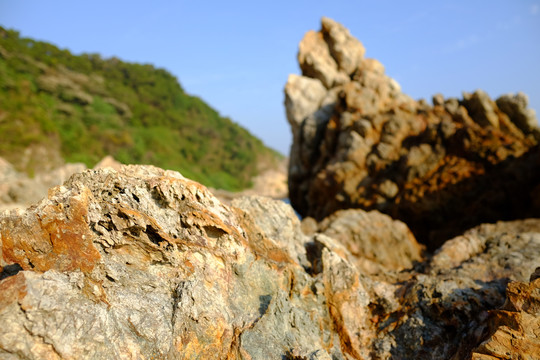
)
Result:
{"points": [[236, 55]]}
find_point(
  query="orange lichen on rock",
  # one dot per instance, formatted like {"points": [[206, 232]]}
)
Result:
{"points": [[57, 239]]}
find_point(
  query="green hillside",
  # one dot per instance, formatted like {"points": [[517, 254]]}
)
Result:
{"points": [[88, 107]]}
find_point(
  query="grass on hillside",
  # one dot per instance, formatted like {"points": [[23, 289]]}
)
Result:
{"points": [[137, 113]]}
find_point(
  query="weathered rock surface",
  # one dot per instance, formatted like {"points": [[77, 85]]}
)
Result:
{"points": [[146, 264], [514, 329], [142, 263], [17, 190], [359, 142], [465, 280]]}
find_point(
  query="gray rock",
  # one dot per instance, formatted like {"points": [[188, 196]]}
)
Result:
{"points": [[481, 108], [143, 263], [385, 244], [303, 97], [515, 106]]}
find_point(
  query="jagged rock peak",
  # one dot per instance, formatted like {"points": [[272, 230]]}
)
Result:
{"points": [[360, 142], [331, 55]]}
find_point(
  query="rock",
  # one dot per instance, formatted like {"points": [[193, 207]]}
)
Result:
{"points": [[535, 275], [376, 241], [309, 108], [278, 222], [481, 108], [271, 182], [345, 49], [108, 161], [513, 329], [515, 106], [142, 262], [444, 312], [438, 100], [316, 61], [303, 97], [441, 169]]}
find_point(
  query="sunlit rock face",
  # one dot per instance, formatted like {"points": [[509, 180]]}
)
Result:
{"points": [[142, 263], [513, 329], [360, 142]]}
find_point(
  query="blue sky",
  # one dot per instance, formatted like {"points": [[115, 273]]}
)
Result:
{"points": [[236, 55]]}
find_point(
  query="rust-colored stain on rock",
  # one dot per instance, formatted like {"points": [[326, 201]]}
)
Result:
{"points": [[12, 289], [514, 330], [57, 239]]}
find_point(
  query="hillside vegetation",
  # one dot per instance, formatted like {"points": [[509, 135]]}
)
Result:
{"points": [[87, 107]]}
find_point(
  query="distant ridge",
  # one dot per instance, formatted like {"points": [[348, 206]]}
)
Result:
{"points": [[56, 107]]}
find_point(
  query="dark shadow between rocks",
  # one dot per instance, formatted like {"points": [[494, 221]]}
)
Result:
{"points": [[264, 302], [505, 191], [314, 256], [10, 270]]}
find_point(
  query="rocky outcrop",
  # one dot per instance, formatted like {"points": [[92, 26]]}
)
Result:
{"points": [[359, 142], [18, 190], [144, 263], [468, 276]]}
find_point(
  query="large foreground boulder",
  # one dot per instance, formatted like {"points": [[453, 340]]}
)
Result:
{"points": [[360, 142], [141, 263]]}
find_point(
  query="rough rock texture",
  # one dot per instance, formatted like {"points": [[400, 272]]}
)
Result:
{"points": [[147, 264], [17, 190], [359, 142], [141, 263], [465, 279], [514, 329]]}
